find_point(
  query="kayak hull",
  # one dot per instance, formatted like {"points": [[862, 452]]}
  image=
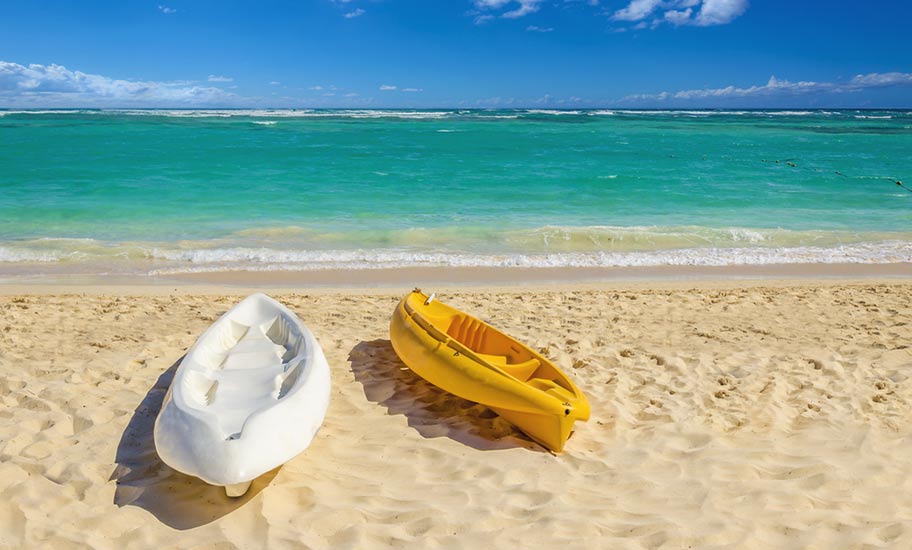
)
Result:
{"points": [[448, 348], [249, 396]]}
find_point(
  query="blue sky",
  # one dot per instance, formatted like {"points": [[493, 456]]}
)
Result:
{"points": [[455, 53]]}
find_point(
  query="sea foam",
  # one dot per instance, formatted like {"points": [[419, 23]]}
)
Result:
{"points": [[240, 259]]}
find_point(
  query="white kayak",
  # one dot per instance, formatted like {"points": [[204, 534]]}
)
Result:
{"points": [[249, 396]]}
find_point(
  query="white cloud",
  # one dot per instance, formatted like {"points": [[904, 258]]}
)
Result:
{"points": [[699, 13], [678, 17], [357, 12], [719, 12], [391, 88], [491, 4], [636, 10], [55, 85], [514, 8], [880, 80], [525, 7], [781, 88], [217, 78], [275, 83], [533, 28], [166, 10]]}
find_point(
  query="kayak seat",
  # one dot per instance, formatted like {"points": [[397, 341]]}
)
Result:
{"points": [[522, 370], [551, 388], [499, 360]]}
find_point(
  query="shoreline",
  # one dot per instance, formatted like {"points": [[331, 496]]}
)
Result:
{"points": [[460, 277]]}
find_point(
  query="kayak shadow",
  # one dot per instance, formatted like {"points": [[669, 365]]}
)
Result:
{"points": [[177, 500], [431, 411]]}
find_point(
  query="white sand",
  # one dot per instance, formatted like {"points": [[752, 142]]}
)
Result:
{"points": [[738, 415]]}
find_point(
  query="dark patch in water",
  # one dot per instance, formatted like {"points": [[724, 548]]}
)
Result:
{"points": [[843, 130]]}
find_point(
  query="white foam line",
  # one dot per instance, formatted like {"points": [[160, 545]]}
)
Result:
{"points": [[275, 260], [552, 112], [418, 114]]}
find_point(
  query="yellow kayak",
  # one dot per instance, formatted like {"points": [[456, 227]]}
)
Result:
{"points": [[469, 358]]}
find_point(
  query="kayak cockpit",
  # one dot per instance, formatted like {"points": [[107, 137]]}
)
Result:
{"points": [[240, 369], [486, 344]]}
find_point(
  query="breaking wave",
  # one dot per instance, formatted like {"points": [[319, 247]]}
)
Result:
{"points": [[299, 249]]}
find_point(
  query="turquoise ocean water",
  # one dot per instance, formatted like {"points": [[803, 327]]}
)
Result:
{"points": [[153, 191]]}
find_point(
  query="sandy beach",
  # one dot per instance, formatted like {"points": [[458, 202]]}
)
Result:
{"points": [[742, 414]]}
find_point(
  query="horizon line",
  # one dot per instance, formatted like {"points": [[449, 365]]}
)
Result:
{"points": [[456, 108]]}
